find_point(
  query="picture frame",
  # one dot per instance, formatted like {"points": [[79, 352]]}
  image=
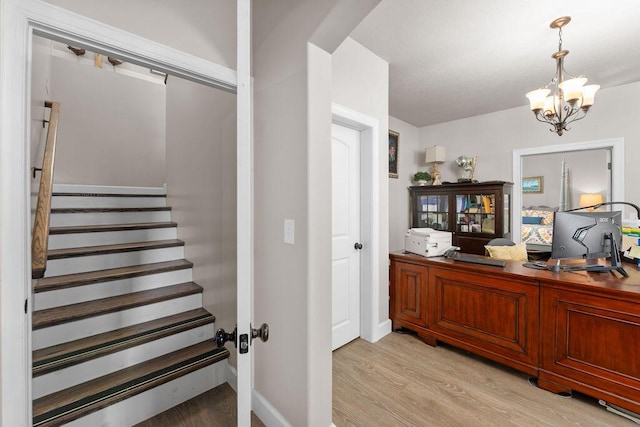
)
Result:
{"points": [[394, 139], [533, 184]]}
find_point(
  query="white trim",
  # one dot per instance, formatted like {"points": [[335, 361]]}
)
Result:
{"points": [[267, 413], [370, 327], [106, 189], [383, 329], [58, 24], [244, 212], [617, 165], [19, 19]]}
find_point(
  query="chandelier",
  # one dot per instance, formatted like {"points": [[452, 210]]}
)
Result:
{"points": [[570, 100]]}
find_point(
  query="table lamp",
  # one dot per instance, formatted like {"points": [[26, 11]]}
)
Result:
{"points": [[435, 155], [590, 199]]}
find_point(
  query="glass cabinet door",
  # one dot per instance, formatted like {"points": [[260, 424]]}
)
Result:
{"points": [[475, 213], [433, 211]]}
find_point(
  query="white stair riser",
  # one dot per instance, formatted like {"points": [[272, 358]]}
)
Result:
{"points": [[82, 218], [76, 240], [82, 264], [156, 400], [105, 189], [50, 299], [73, 375], [106, 202], [95, 325]]}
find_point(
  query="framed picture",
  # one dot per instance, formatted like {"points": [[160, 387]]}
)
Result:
{"points": [[393, 153], [533, 184]]}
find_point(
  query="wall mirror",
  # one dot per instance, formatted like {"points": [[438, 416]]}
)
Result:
{"points": [[590, 168]]}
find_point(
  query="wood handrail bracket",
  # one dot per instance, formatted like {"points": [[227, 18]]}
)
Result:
{"points": [[40, 238]]}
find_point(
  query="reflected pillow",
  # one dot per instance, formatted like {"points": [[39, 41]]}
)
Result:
{"points": [[515, 253], [537, 220]]}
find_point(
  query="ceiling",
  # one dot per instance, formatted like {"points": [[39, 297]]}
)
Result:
{"points": [[454, 59]]}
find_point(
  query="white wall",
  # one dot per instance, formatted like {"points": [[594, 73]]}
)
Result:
{"points": [[111, 129], [292, 290], [204, 28], [361, 83], [40, 92], [493, 137], [410, 161], [201, 189]]}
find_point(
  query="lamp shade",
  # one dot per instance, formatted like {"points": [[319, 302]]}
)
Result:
{"points": [[588, 93], [572, 88], [435, 154], [590, 199], [537, 98]]}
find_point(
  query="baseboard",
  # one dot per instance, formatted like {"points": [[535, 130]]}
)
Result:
{"points": [[232, 377], [268, 414], [106, 189], [380, 331], [261, 406]]}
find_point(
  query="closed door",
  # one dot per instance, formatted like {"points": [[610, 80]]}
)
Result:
{"points": [[346, 245]]}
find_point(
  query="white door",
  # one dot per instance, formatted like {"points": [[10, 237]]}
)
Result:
{"points": [[345, 157]]}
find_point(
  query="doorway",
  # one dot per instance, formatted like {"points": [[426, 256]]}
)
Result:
{"points": [[371, 329], [614, 146], [23, 19]]}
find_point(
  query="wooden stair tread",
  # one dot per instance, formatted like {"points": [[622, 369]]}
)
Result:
{"points": [[68, 313], [73, 352], [102, 210], [63, 194], [107, 275], [66, 405], [98, 228], [111, 249]]}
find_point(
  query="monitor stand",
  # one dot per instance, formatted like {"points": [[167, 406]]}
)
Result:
{"points": [[616, 262]]}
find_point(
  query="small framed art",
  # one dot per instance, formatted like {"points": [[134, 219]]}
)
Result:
{"points": [[533, 184], [394, 138]]}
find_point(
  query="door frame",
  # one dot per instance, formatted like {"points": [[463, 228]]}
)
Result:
{"points": [[20, 19], [616, 145], [369, 216]]}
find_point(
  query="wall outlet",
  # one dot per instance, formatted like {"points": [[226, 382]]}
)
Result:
{"points": [[289, 231]]}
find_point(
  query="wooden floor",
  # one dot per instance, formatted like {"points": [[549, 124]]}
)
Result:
{"points": [[215, 408], [401, 381]]}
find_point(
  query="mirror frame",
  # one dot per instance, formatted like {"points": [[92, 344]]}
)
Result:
{"points": [[616, 145]]}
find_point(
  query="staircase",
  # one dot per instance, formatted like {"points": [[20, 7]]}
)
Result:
{"points": [[119, 332]]}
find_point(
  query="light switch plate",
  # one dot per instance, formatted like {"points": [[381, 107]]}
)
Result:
{"points": [[289, 231]]}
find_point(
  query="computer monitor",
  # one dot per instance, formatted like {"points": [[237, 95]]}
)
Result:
{"points": [[587, 235]]}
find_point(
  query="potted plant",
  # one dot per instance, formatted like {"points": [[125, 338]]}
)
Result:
{"points": [[422, 178]]}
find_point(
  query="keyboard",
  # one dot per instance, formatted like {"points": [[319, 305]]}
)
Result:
{"points": [[474, 259]]}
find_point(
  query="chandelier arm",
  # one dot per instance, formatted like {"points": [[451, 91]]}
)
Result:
{"points": [[543, 120]]}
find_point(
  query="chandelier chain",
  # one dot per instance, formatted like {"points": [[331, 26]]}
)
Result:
{"points": [[559, 39]]}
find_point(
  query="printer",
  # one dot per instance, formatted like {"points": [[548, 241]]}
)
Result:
{"points": [[427, 241]]}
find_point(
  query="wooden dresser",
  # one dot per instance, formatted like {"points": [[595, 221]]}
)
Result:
{"points": [[573, 331]]}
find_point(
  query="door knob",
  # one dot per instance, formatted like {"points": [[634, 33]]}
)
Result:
{"points": [[262, 332], [222, 337], [357, 246]]}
